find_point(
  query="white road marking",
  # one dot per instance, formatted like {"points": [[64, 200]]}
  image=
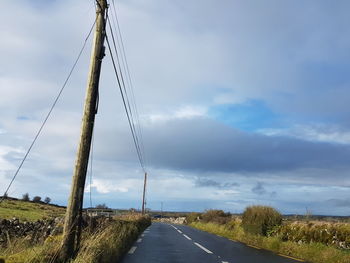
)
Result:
{"points": [[205, 249], [224, 261], [132, 250], [139, 240], [179, 231], [143, 235], [186, 236]]}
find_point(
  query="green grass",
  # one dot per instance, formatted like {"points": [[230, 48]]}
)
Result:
{"points": [[28, 211], [314, 252]]}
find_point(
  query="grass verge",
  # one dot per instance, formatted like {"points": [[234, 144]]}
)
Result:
{"points": [[111, 243], [314, 252], [107, 244]]}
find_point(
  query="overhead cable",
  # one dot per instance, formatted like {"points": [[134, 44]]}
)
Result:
{"points": [[49, 113]]}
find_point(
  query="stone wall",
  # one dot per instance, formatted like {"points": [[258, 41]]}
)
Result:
{"points": [[34, 231], [172, 220]]}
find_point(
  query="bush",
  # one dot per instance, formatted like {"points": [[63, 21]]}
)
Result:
{"points": [[216, 216], [47, 200], [25, 197], [192, 217], [260, 220], [36, 199]]}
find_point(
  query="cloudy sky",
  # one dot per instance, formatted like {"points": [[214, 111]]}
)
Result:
{"points": [[241, 102]]}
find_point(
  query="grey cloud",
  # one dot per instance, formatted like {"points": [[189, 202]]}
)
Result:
{"points": [[339, 202], [259, 189], [206, 145], [204, 182]]}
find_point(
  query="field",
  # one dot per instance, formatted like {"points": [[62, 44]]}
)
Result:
{"points": [[29, 211]]}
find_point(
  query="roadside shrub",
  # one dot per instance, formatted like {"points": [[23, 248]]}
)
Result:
{"points": [[216, 216], [260, 220], [36, 199], [47, 200], [25, 197], [192, 217]]}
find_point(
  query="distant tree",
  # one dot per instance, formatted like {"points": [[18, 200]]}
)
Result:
{"points": [[47, 200], [25, 197], [36, 199], [102, 206]]}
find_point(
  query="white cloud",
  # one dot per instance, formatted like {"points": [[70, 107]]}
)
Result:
{"points": [[319, 133], [107, 186], [186, 112]]}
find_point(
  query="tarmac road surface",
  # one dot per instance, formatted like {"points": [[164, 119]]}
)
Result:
{"points": [[171, 243]]}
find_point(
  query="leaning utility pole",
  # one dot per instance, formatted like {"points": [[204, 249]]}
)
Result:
{"points": [[144, 194], [71, 230]]}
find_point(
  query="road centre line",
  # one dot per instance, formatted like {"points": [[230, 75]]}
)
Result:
{"points": [[139, 240], [143, 235], [179, 231], [132, 250], [205, 249], [186, 236]]}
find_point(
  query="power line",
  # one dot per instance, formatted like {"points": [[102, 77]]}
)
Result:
{"points": [[125, 92], [49, 113], [134, 135], [126, 69]]}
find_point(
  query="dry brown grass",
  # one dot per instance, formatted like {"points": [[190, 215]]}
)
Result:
{"points": [[106, 243]]}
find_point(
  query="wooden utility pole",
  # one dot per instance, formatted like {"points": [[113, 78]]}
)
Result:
{"points": [[144, 194], [71, 230]]}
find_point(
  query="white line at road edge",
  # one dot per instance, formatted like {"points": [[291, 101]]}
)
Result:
{"points": [[132, 250], [139, 240], [205, 249], [186, 236]]}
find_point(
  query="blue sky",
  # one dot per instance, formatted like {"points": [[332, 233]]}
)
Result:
{"points": [[250, 116], [247, 107]]}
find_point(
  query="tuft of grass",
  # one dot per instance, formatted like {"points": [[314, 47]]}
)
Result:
{"points": [[29, 211], [313, 252]]}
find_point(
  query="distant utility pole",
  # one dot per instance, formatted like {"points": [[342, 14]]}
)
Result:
{"points": [[144, 194], [71, 232]]}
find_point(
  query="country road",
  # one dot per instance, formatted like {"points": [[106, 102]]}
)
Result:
{"points": [[178, 243]]}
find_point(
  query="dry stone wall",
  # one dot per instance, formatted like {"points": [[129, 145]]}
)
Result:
{"points": [[34, 231]]}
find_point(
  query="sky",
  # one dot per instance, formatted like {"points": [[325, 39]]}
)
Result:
{"points": [[241, 102]]}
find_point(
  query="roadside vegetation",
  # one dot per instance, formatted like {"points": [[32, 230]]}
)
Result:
{"points": [[263, 227], [103, 240]]}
